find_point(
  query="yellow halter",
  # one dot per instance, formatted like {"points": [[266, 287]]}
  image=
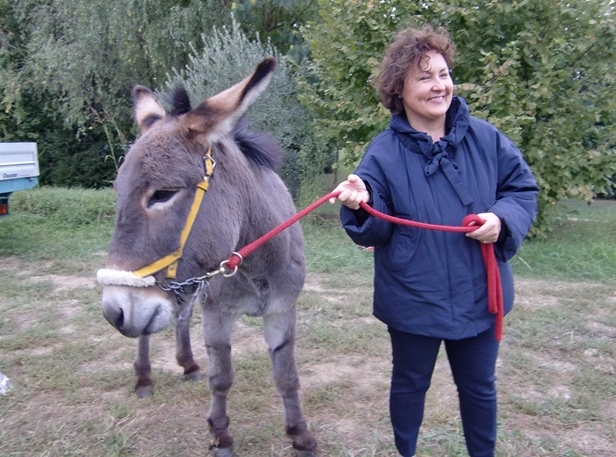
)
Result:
{"points": [[170, 261]]}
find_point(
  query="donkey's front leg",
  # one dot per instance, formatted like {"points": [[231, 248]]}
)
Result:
{"points": [[280, 337], [183, 350], [217, 334], [143, 388]]}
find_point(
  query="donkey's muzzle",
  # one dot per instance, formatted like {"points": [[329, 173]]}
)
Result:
{"points": [[137, 311]]}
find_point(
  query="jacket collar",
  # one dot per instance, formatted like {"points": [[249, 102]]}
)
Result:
{"points": [[456, 126], [439, 155]]}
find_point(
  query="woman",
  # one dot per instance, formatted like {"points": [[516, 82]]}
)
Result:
{"points": [[436, 163]]}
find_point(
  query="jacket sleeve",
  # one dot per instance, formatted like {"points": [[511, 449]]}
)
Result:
{"points": [[362, 228], [516, 199]]}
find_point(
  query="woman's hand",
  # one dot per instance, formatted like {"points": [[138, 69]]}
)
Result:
{"points": [[352, 192], [489, 231]]}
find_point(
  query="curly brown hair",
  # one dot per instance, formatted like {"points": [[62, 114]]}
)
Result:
{"points": [[409, 48]]}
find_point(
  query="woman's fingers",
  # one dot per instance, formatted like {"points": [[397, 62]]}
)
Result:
{"points": [[488, 232], [352, 192]]}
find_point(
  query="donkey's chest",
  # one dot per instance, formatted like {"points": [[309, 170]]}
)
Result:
{"points": [[250, 296]]}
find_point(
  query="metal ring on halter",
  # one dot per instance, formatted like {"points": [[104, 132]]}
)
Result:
{"points": [[207, 156], [223, 266]]}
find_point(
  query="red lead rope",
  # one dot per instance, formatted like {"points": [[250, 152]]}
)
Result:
{"points": [[495, 291]]}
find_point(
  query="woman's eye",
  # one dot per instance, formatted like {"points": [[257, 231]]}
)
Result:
{"points": [[161, 196]]}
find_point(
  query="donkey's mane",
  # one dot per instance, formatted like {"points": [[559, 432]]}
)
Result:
{"points": [[178, 101], [258, 147]]}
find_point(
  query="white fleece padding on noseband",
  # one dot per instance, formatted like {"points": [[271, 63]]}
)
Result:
{"points": [[108, 277]]}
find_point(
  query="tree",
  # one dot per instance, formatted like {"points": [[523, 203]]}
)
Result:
{"points": [[26, 115], [541, 71], [346, 45], [67, 68], [92, 53], [279, 21], [15, 113], [78, 61]]}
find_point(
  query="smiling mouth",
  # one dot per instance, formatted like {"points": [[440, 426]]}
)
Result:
{"points": [[437, 99]]}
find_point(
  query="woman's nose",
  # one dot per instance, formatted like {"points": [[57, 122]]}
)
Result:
{"points": [[438, 85]]}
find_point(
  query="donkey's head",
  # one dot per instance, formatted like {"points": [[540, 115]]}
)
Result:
{"points": [[156, 191]]}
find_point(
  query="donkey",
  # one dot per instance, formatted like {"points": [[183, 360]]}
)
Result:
{"points": [[194, 187]]}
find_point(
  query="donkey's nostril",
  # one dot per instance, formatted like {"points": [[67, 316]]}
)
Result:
{"points": [[115, 317], [119, 319]]}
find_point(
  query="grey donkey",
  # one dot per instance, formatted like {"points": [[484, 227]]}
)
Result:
{"points": [[196, 186]]}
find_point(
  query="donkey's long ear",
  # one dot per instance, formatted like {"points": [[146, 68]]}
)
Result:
{"points": [[218, 115], [148, 110]]}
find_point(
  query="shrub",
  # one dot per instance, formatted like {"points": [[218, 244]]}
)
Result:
{"points": [[68, 207]]}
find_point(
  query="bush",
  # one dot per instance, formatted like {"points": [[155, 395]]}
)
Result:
{"points": [[68, 207]]}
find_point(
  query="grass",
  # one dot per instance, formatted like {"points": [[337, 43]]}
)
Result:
{"points": [[581, 247], [72, 373]]}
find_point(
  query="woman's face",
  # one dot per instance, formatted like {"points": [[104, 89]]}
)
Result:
{"points": [[427, 91]]}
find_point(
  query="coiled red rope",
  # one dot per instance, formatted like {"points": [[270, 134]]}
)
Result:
{"points": [[469, 224]]}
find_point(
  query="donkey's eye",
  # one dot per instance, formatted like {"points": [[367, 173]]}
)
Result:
{"points": [[161, 196]]}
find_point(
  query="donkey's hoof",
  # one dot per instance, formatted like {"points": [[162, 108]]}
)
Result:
{"points": [[143, 391], [222, 451], [305, 453], [304, 442], [193, 376]]}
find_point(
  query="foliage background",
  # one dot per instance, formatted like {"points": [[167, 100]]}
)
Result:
{"points": [[70, 66], [542, 71]]}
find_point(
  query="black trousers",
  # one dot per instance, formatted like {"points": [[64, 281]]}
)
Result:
{"points": [[473, 365]]}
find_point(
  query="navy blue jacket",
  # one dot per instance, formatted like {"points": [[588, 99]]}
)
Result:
{"points": [[429, 282]]}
